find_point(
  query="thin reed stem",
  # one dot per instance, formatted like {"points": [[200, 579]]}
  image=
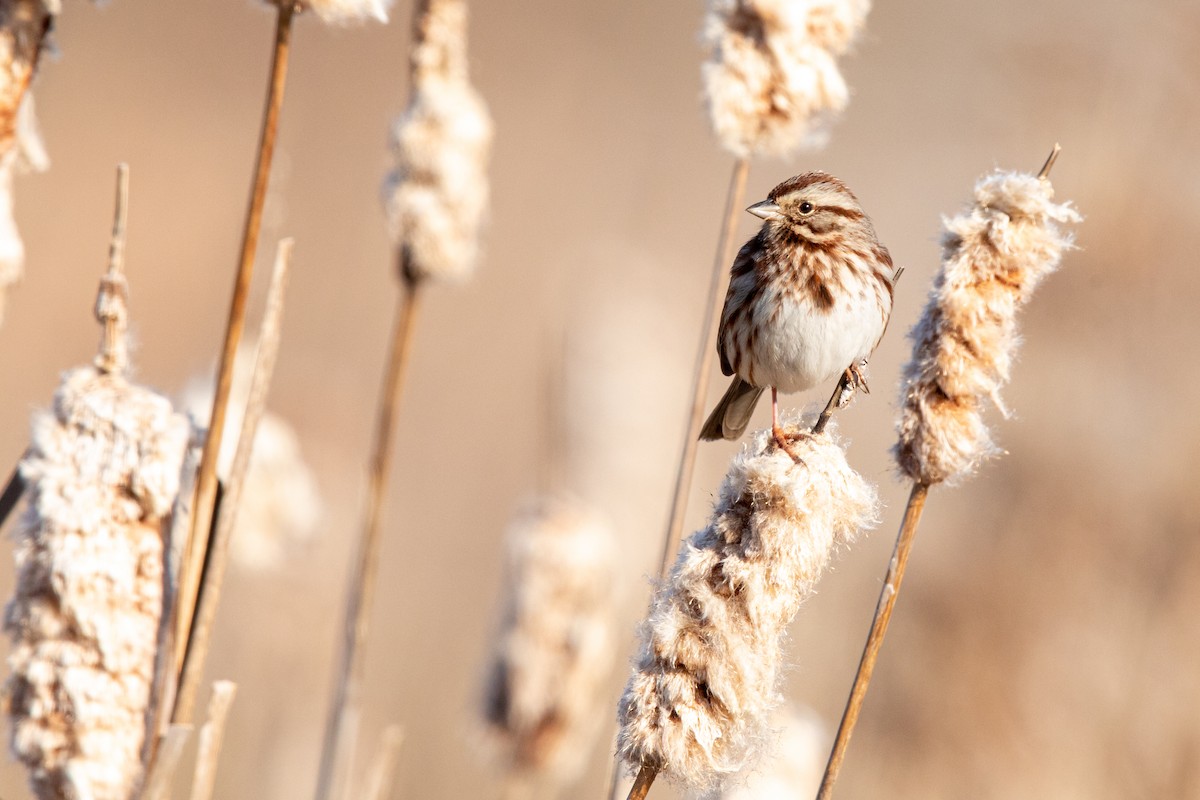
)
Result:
{"points": [[204, 780], [641, 786], [170, 750], [348, 686], [206, 486], [704, 360], [383, 768], [879, 625], [218, 556]]}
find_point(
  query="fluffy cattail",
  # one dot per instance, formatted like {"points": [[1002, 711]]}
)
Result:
{"points": [[437, 195], [101, 474], [22, 149], [554, 647], [994, 255], [280, 505], [698, 705], [771, 79], [346, 12], [795, 764]]}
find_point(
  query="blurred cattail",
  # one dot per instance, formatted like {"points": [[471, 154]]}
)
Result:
{"points": [[101, 474], [793, 768], [345, 12], [280, 504], [771, 79], [437, 195], [994, 255], [20, 150], [554, 649], [698, 705]]}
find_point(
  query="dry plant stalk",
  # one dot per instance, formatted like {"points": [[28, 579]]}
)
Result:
{"points": [[211, 736], [435, 201], [993, 256], [269, 335], [382, 776], [553, 651], [698, 705], [206, 482], [101, 473]]}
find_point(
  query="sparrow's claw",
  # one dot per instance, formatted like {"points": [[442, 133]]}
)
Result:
{"points": [[856, 377], [784, 441]]}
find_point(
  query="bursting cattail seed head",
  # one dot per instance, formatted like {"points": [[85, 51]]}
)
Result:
{"points": [[994, 255], [102, 473], [437, 195], [771, 79], [697, 707], [554, 648]]}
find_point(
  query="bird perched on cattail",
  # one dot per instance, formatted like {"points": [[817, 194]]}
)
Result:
{"points": [[809, 298]]}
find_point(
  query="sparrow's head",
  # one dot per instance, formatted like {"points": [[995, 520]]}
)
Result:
{"points": [[815, 205]]}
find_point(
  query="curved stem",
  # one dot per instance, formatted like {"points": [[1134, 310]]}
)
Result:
{"points": [[206, 486], [879, 625], [704, 359], [348, 687]]}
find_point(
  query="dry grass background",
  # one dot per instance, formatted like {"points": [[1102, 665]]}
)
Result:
{"points": [[1046, 642]]}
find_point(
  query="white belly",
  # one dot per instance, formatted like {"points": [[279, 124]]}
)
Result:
{"points": [[807, 347]]}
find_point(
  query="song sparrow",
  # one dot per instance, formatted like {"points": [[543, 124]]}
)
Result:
{"points": [[809, 298]]}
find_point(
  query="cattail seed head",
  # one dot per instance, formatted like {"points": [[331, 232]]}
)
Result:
{"points": [[437, 195], [101, 475], [25, 151], [994, 255], [697, 707], [771, 78], [345, 12], [102, 472], [554, 647], [795, 764]]}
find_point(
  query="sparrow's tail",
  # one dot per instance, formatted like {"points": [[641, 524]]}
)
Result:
{"points": [[732, 415]]}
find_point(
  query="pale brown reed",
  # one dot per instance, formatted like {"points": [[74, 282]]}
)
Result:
{"points": [[206, 483]]}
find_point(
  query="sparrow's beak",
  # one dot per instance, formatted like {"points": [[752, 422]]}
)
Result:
{"points": [[764, 210]]}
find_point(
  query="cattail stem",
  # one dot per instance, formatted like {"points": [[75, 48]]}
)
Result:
{"points": [[12, 493], [879, 625], [383, 769], [218, 557], [641, 786], [206, 486], [162, 771], [362, 583], [204, 780], [704, 359]]}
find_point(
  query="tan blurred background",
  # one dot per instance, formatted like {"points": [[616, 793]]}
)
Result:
{"points": [[1046, 643]]}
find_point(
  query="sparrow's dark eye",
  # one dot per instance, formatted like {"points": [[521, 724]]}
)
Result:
{"points": [[806, 207]]}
